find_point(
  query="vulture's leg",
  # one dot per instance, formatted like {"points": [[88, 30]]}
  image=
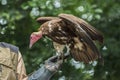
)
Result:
{"points": [[60, 56], [59, 50], [68, 48]]}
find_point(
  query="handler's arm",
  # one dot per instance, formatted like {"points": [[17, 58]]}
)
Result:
{"points": [[50, 67], [46, 71]]}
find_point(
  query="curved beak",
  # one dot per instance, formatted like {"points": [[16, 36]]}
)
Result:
{"points": [[30, 45]]}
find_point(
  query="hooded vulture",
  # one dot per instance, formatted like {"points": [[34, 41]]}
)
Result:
{"points": [[69, 31]]}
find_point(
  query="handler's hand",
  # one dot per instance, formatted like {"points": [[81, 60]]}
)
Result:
{"points": [[53, 66]]}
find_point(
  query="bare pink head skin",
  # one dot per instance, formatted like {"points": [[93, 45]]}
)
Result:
{"points": [[34, 37]]}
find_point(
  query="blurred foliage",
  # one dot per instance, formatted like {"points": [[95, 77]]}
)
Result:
{"points": [[18, 21]]}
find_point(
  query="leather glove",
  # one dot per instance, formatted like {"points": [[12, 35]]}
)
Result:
{"points": [[50, 67]]}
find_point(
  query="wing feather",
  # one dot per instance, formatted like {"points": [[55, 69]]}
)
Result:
{"points": [[81, 34], [83, 53], [45, 19], [91, 31]]}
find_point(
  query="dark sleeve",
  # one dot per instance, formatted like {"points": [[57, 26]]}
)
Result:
{"points": [[51, 66], [41, 74]]}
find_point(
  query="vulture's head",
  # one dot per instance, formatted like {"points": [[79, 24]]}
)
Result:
{"points": [[34, 37]]}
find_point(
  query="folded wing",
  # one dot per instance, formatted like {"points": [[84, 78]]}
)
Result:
{"points": [[83, 48]]}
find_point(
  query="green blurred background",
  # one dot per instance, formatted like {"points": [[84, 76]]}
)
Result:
{"points": [[18, 21]]}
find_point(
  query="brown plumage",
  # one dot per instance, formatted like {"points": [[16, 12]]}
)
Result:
{"points": [[45, 19], [73, 32]]}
